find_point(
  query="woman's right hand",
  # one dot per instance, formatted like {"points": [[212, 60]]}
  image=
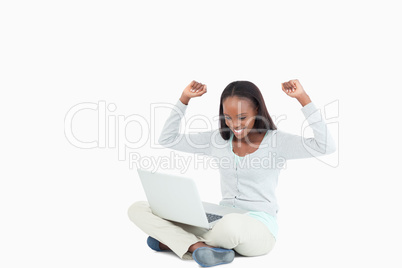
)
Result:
{"points": [[194, 89]]}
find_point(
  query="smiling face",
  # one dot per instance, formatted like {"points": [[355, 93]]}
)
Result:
{"points": [[239, 115]]}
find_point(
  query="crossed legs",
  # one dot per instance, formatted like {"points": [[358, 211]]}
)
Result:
{"points": [[240, 232]]}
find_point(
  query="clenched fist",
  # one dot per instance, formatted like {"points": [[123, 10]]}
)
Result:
{"points": [[194, 89], [294, 89]]}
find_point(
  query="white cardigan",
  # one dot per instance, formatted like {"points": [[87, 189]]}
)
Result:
{"points": [[251, 183]]}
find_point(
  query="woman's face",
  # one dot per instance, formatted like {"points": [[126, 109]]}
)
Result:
{"points": [[239, 115]]}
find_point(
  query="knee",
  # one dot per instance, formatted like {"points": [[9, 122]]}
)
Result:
{"points": [[230, 225], [136, 210], [237, 231], [257, 245], [254, 250]]}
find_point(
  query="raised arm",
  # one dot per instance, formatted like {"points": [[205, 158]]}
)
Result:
{"points": [[290, 146], [170, 137]]}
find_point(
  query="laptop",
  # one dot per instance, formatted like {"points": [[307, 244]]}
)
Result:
{"points": [[176, 198]]}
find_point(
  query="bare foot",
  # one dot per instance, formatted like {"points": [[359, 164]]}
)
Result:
{"points": [[163, 246], [193, 247]]}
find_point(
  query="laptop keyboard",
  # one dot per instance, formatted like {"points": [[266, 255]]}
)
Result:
{"points": [[213, 217]]}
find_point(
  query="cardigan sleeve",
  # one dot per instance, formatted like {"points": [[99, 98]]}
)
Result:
{"points": [[198, 142], [291, 146]]}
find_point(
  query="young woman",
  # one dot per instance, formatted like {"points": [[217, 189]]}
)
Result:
{"points": [[250, 152]]}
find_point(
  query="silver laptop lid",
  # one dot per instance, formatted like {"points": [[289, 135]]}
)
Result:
{"points": [[173, 197]]}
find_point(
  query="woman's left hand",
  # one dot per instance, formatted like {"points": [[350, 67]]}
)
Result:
{"points": [[293, 88]]}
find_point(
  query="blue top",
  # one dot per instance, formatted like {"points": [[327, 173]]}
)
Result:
{"points": [[266, 218]]}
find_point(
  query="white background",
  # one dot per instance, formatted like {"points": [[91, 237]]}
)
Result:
{"points": [[64, 206]]}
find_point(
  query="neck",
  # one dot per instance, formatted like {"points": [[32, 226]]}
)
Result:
{"points": [[251, 137]]}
